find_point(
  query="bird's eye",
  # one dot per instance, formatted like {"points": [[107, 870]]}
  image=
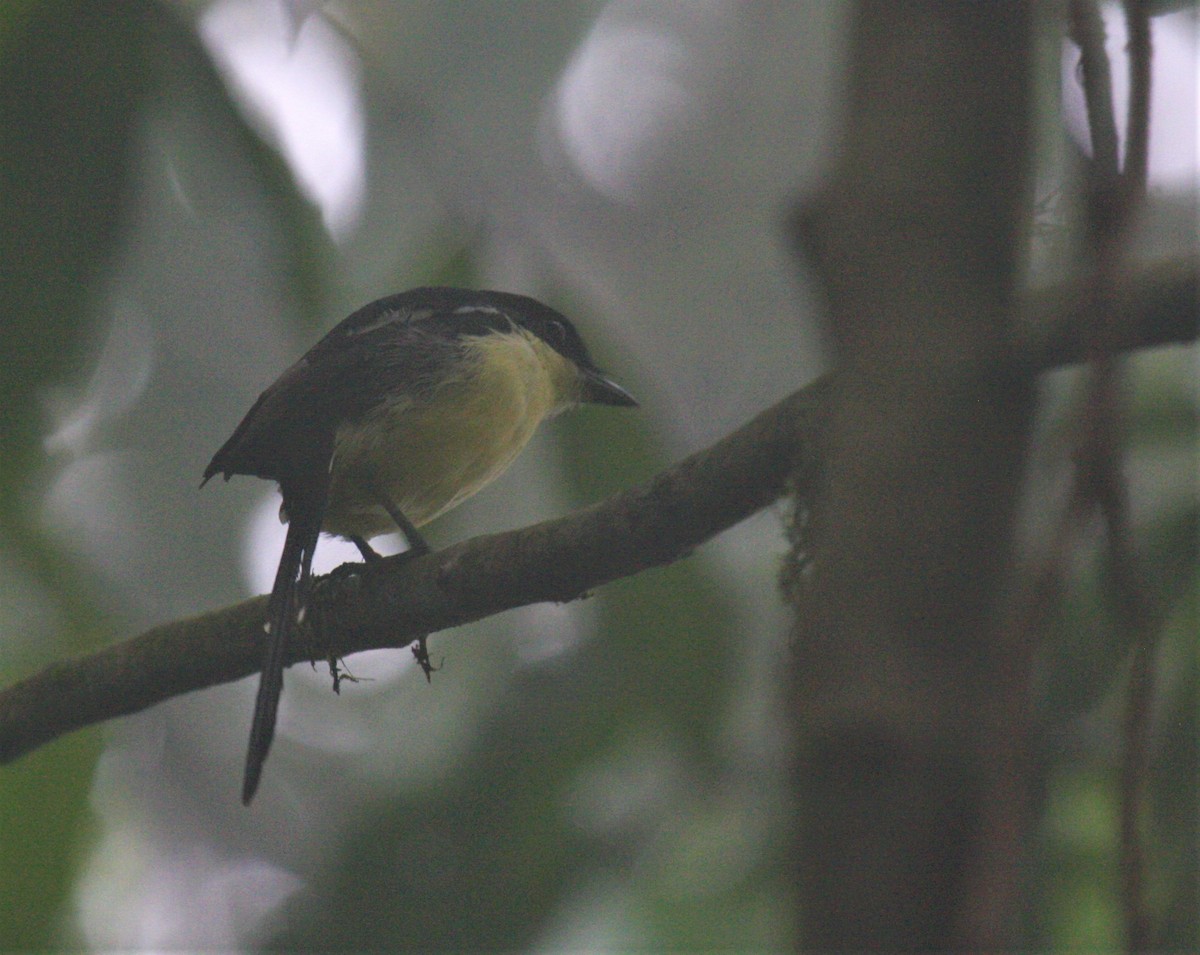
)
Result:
{"points": [[556, 331]]}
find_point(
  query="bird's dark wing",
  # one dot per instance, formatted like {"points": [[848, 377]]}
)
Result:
{"points": [[281, 433]]}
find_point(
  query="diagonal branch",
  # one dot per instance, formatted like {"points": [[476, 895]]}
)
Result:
{"points": [[391, 603]]}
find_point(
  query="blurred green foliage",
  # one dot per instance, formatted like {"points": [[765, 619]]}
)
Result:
{"points": [[1082, 693], [74, 77]]}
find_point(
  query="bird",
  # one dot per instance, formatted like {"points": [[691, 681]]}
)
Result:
{"points": [[403, 410]]}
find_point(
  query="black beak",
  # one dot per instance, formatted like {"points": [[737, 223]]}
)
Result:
{"points": [[598, 390]]}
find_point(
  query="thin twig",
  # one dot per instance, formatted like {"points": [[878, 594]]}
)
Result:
{"points": [[1086, 29], [1130, 597], [1099, 485], [1137, 138]]}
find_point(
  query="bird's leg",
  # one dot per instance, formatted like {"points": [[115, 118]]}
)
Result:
{"points": [[420, 652], [322, 590], [369, 553], [417, 545], [349, 569], [343, 572]]}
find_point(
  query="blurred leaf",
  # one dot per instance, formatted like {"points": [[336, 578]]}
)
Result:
{"points": [[1174, 832], [445, 262], [717, 886], [1162, 408], [669, 628], [1085, 652], [1077, 876], [73, 80], [73, 76], [305, 248], [44, 815]]}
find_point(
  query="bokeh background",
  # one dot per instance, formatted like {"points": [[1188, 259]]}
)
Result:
{"points": [[193, 192]]}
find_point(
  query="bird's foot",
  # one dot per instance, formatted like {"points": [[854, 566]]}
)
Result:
{"points": [[339, 671], [420, 652]]}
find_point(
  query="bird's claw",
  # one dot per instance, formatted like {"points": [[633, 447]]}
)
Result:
{"points": [[420, 652]]}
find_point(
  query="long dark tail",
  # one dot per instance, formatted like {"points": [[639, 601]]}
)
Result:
{"points": [[287, 596]]}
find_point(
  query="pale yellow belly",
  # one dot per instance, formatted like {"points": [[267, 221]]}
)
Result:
{"points": [[428, 458]]}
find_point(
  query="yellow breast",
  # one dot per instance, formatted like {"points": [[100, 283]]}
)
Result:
{"points": [[431, 454]]}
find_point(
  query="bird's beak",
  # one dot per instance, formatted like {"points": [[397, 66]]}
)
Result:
{"points": [[598, 390]]}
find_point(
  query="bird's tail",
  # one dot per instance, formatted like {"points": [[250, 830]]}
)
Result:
{"points": [[287, 597]]}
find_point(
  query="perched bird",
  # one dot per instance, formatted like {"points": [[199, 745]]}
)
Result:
{"points": [[405, 409]]}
